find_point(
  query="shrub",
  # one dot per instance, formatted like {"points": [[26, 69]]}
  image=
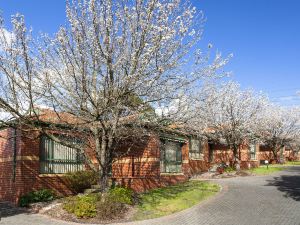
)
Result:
{"points": [[82, 206], [229, 169], [43, 195], [81, 180], [106, 206], [121, 195], [109, 209]]}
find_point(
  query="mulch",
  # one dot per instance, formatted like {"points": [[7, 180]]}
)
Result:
{"points": [[55, 210]]}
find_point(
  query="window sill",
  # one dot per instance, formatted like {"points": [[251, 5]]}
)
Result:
{"points": [[199, 159], [171, 174], [52, 175]]}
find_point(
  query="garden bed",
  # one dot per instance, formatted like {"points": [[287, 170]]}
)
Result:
{"points": [[97, 208], [58, 212]]}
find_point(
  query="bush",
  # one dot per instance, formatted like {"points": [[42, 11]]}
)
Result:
{"points": [[109, 209], [82, 206], [43, 195], [121, 195], [229, 169], [106, 206], [81, 180]]}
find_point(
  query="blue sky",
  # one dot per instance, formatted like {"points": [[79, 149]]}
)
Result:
{"points": [[263, 35]]}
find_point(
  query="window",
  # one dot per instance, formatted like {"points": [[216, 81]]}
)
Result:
{"points": [[195, 148], [252, 151], [57, 158], [171, 157]]}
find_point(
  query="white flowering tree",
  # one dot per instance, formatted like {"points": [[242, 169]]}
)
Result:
{"points": [[230, 115], [279, 127], [109, 68]]}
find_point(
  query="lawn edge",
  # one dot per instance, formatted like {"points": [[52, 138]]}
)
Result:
{"points": [[220, 193]]}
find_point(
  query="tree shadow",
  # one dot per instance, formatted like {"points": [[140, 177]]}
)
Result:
{"points": [[288, 184], [8, 209]]}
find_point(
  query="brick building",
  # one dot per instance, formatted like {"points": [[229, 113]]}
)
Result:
{"points": [[32, 161], [286, 153]]}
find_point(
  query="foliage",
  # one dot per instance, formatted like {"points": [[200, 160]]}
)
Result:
{"points": [[105, 206], [122, 195], [229, 169], [43, 195], [108, 208], [82, 206], [82, 180], [112, 60], [230, 113], [171, 199], [279, 127]]}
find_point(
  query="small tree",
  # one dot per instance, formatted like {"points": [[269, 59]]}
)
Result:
{"points": [[107, 70]]}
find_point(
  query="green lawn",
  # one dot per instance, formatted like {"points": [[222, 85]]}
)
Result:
{"points": [[263, 170], [168, 200], [293, 163]]}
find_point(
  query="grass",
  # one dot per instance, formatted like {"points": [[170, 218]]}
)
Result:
{"points": [[263, 170], [293, 163], [164, 201]]}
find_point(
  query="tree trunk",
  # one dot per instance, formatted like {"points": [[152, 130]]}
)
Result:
{"points": [[101, 151], [103, 162], [236, 157], [274, 151], [107, 140]]}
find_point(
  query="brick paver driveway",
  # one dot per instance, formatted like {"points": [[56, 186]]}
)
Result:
{"points": [[264, 200]]}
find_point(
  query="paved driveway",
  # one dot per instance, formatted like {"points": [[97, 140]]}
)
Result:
{"points": [[264, 200]]}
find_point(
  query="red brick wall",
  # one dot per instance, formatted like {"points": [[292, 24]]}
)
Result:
{"points": [[266, 153], [10, 187], [291, 155], [140, 168], [246, 161], [141, 184], [196, 166], [28, 177], [221, 153], [143, 160]]}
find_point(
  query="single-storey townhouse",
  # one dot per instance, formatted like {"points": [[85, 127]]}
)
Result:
{"points": [[31, 161], [286, 153]]}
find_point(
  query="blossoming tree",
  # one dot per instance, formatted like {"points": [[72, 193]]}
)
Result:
{"points": [[279, 127], [109, 68], [230, 115]]}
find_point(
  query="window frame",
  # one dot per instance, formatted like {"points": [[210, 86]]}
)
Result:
{"points": [[48, 162], [193, 154], [164, 163], [253, 153]]}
